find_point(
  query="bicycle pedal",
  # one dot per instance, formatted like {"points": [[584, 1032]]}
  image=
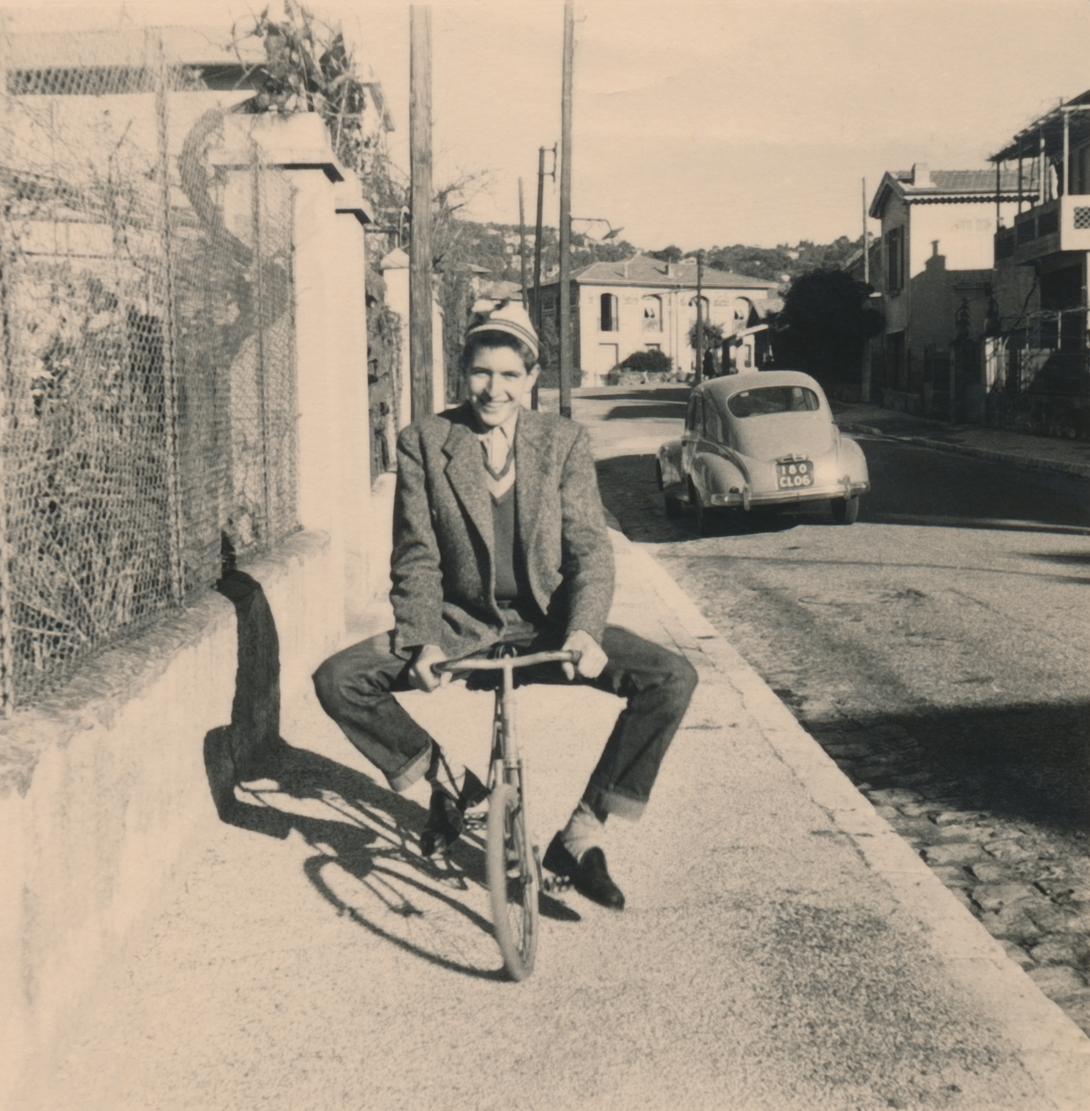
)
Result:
{"points": [[554, 883], [475, 821]]}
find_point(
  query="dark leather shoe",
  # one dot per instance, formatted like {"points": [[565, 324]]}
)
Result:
{"points": [[589, 876], [446, 815]]}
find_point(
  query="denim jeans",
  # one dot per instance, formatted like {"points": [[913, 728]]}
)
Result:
{"points": [[356, 688]]}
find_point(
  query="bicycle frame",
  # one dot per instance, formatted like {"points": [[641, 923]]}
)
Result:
{"points": [[511, 858], [505, 756]]}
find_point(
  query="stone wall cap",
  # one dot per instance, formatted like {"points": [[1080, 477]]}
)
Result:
{"points": [[348, 199], [287, 142]]}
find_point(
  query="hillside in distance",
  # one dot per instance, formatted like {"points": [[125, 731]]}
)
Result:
{"points": [[495, 248]]}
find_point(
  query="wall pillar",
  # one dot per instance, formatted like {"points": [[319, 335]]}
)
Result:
{"points": [[348, 270], [333, 472], [395, 272]]}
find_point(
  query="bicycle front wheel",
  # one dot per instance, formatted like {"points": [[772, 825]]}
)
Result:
{"points": [[512, 880]]}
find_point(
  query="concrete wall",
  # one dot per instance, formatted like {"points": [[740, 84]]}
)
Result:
{"points": [[102, 785], [105, 783], [964, 232]]}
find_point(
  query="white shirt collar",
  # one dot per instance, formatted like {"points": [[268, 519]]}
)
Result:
{"points": [[507, 428]]}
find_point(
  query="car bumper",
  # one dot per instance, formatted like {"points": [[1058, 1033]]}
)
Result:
{"points": [[746, 499]]}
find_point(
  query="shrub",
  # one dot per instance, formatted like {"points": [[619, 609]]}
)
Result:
{"points": [[654, 362]]}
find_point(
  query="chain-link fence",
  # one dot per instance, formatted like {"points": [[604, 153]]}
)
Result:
{"points": [[147, 415]]}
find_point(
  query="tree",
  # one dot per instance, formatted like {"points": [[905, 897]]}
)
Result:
{"points": [[713, 335], [309, 68], [668, 254], [825, 323]]}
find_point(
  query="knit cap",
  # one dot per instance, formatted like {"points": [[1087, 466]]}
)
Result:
{"points": [[503, 316]]}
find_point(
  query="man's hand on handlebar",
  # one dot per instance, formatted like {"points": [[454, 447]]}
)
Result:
{"points": [[591, 659], [421, 674]]}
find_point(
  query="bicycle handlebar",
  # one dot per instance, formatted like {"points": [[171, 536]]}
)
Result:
{"points": [[486, 663]]}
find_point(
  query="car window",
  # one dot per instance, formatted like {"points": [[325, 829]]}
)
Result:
{"points": [[773, 399]]}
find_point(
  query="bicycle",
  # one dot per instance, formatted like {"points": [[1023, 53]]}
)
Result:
{"points": [[512, 861]]}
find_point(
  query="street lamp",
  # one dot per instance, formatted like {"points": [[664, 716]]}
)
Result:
{"points": [[612, 233], [400, 231]]}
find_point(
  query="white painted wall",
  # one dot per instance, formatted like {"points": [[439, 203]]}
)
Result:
{"points": [[677, 318], [105, 780]]}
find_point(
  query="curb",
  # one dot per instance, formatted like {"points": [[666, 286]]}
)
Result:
{"points": [[1056, 1051], [1080, 470]]}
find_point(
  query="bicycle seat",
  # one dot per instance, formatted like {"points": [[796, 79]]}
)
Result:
{"points": [[491, 680]]}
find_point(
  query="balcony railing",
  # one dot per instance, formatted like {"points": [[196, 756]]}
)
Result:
{"points": [[1058, 225]]}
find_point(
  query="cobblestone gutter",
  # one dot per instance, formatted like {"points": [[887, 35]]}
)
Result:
{"points": [[1035, 901]]}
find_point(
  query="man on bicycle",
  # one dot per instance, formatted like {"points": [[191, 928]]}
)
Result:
{"points": [[500, 537]]}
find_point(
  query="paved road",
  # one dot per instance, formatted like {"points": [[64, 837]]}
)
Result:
{"points": [[937, 649]]}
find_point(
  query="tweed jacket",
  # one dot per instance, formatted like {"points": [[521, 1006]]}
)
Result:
{"points": [[442, 565]]}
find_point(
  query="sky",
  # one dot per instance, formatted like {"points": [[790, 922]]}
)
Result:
{"points": [[695, 122]]}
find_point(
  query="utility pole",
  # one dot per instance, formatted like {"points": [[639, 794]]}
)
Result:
{"points": [[420, 249], [699, 317], [565, 213], [538, 230], [522, 246], [864, 377], [866, 237]]}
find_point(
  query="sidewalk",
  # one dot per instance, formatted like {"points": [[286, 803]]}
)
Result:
{"points": [[1039, 452], [783, 949]]}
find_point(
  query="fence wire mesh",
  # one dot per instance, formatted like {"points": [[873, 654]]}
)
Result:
{"points": [[146, 366]]}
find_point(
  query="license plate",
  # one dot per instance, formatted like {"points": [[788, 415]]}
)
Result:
{"points": [[796, 475]]}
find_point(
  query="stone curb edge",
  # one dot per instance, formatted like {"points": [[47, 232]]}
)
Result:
{"points": [[1080, 470], [1058, 1051]]}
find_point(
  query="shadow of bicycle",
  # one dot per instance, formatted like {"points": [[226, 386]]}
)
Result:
{"points": [[363, 861]]}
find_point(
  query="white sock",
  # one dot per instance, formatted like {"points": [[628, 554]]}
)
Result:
{"points": [[585, 830], [446, 773]]}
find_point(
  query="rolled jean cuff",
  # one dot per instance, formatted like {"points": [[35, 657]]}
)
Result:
{"points": [[612, 801], [409, 773]]}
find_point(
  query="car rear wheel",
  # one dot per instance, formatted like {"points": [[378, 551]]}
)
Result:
{"points": [[670, 501], [705, 518], [846, 510]]}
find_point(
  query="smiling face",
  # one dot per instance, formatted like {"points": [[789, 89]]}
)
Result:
{"points": [[499, 383]]}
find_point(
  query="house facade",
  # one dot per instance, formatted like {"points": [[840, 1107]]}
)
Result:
{"points": [[1037, 366], [934, 273], [645, 304]]}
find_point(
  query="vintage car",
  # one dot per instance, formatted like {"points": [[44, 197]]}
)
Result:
{"points": [[761, 438]]}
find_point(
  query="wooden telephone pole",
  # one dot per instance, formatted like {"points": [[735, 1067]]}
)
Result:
{"points": [[699, 318], [538, 231], [522, 247], [420, 248], [866, 237], [565, 214]]}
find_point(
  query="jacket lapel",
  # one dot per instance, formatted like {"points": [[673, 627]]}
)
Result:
{"points": [[465, 472], [531, 456]]}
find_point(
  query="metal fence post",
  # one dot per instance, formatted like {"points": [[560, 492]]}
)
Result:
{"points": [[262, 365], [7, 398], [7, 623], [170, 376]]}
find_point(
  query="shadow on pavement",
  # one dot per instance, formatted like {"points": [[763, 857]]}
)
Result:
{"points": [[357, 828], [1025, 762], [631, 494]]}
